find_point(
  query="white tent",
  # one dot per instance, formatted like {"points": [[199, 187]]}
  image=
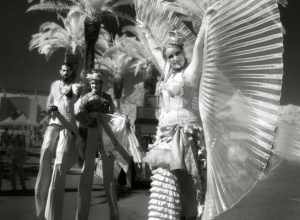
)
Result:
{"points": [[22, 120], [6, 121]]}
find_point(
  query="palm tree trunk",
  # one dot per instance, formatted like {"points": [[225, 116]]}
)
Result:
{"points": [[150, 80], [118, 85], [91, 29]]}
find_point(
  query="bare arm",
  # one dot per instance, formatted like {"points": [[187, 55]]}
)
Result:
{"points": [[50, 100], [50, 105], [194, 69]]}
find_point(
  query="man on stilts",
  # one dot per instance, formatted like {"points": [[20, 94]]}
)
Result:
{"points": [[59, 142]]}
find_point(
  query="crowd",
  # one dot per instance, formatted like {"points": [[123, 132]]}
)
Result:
{"points": [[12, 158]]}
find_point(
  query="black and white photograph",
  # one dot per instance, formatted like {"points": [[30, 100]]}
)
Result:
{"points": [[150, 110]]}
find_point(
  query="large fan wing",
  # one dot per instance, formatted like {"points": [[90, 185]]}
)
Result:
{"points": [[239, 97]]}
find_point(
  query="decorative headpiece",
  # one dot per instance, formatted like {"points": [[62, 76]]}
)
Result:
{"points": [[175, 39], [94, 76]]}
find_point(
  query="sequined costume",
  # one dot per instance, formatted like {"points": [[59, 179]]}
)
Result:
{"points": [[179, 139]]}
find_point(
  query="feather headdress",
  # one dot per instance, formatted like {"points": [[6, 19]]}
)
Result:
{"points": [[158, 17]]}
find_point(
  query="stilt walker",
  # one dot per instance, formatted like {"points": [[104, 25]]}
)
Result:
{"points": [[91, 111], [59, 142], [60, 135], [229, 82]]}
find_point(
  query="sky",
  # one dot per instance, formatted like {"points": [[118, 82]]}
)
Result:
{"points": [[27, 71]]}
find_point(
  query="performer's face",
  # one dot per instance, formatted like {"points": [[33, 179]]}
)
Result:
{"points": [[65, 72], [176, 57], [96, 86]]}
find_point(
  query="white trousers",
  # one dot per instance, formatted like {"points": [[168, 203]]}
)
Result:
{"points": [[50, 185]]}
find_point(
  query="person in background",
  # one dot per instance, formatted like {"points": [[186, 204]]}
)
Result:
{"points": [[17, 155]]}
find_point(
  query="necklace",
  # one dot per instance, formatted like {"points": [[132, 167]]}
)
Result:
{"points": [[65, 89]]}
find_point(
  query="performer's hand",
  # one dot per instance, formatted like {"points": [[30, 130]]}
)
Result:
{"points": [[211, 10], [77, 89], [52, 108]]}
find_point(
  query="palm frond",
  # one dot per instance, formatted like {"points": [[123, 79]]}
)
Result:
{"points": [[50, 7], [134, 48], [50, 38], [118, 63], [138, 46], [118, 3], [53, 36]]}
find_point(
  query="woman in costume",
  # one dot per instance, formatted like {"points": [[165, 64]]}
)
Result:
{"points": [[179, 135], [238, 54]]}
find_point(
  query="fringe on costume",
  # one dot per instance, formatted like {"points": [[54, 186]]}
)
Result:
{"points": [[164, 203]]}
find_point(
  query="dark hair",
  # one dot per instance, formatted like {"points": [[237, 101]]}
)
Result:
{"points": [[73, 72], [68, 65]]}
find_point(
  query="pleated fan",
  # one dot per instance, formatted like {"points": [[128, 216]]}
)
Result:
{"points": [[239, 97]]}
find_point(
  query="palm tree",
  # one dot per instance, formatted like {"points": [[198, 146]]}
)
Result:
{"points": [[93, 11], [69, 36], [53, 36]]}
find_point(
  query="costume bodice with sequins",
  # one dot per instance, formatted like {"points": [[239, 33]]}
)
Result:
{"points": [[176, 101]]}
